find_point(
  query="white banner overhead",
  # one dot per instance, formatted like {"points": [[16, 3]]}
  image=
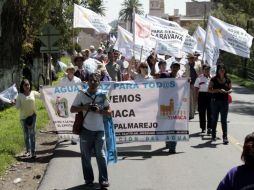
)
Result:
{"points": [[163, 21], [169, 39], [190, 43], [229, 38], [85, 18], [124, 44], [154, 110]]}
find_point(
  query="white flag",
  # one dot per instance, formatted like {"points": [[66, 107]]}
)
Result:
{"points": [[9, 94], [85, 18], [163, 21], [124, 44], [190, 44], [199, 35], [211, 53], [229, 38]]}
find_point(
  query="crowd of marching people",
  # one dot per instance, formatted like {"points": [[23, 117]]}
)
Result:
{"points": [[209, 92]]}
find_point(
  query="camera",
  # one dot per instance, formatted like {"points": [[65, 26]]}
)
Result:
{"points": [[94, 107]]}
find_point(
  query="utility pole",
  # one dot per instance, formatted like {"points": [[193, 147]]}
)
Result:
{"points": [[245, 73]]}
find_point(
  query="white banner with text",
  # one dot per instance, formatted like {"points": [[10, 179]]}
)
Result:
{"points": [[149, 110]]}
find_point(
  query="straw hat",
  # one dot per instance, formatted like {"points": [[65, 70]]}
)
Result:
{"points": [[78, 56], [189, 56], [70, 67]]}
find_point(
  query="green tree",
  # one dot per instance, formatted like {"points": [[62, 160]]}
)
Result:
{"points": [[95, 5], [126, 12]]}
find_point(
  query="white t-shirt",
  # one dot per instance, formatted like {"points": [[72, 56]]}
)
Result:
{"points": [[26, 104], [67, 82], [202, 83], [93, 121]]}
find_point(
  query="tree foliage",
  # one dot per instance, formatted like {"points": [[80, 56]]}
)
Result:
{"points": [[126, 12], [95, 5]]}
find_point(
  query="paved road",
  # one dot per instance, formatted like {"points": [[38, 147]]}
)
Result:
{"points": [[199, 164]]}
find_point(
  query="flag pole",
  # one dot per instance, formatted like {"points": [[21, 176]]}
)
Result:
{"points": [[73, 43], [207, 27], [141, 53], [133, 29]]}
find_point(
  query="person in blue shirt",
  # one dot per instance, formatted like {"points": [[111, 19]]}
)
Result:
{"points": [[241, 177]]}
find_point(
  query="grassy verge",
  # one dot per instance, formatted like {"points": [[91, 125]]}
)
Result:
{"points": [[242, 82], [11, 134]]}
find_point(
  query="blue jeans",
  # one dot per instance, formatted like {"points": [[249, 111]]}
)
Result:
{"points": [[29, 134], [90, 140], [219, 107]]}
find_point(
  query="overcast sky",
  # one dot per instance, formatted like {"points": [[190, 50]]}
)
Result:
{"points": [[113, 7]]}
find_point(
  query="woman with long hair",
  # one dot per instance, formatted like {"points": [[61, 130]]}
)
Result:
{"points": [[220, 87], [26, 103]]}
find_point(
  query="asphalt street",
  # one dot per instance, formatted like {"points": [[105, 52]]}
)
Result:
{"points": [[198, 164]]}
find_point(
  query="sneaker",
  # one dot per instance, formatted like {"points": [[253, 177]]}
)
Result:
{"points": [[104, 184], [203, 131], [27, 154], [225, 140], [209, 131]]}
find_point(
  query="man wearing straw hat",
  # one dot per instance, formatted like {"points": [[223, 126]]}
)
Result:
{"points": [[80, 72], [191, 72], [70, 79]]}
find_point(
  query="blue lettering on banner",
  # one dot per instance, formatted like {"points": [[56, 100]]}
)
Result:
{"points": [[64, 89], [125, 86], [105, 86], [170, 84]]}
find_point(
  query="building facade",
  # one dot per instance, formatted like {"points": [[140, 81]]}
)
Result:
{"points": [[157, 8], [198, 9]]}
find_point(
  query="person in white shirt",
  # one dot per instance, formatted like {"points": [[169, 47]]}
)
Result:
{"points": [[204, 99], [68, 80], [26, 103], [93, 105]]}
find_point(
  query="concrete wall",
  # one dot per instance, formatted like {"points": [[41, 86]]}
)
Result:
{"points": [[13, 75], [8, 77]]}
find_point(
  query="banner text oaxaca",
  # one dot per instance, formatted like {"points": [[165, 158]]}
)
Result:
{"points": [[149, 110]]}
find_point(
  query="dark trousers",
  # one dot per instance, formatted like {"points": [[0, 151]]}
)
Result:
{"points": [[219, 107], [88, 141], [204, 110]]}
